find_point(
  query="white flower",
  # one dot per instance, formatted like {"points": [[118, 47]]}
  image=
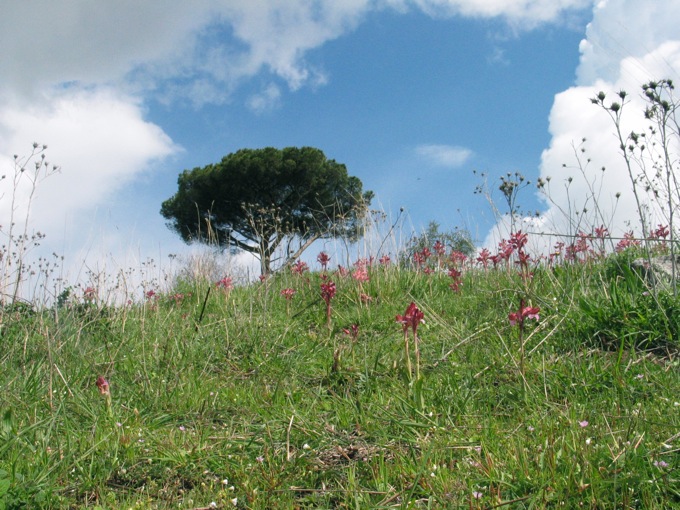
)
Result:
{"points": [[234, 501]]}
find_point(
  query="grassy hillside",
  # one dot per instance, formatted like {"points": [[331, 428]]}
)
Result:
{"points": [[531, 386]]}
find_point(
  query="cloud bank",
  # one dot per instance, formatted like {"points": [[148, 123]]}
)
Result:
{"points": [[574, 117], [587, 182]]}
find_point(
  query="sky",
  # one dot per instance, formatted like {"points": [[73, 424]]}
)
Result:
{"points": [[412, 95]]}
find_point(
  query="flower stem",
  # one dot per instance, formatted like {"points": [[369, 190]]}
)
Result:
{"points": [[408, 355]]}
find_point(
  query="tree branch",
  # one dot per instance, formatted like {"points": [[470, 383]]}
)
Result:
{"points": [[302, 248]]}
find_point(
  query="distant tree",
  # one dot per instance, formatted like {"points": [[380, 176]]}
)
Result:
{"points": [[254, 199], [454, 240]]}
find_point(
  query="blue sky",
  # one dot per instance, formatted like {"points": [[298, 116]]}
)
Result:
{"points": [[396, 84], [412, 95]]}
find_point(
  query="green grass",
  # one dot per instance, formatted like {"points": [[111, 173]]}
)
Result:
{"points": [[262, 405]]}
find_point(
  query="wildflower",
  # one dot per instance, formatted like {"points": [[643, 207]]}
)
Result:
{"points": [[327, 293], [439, 248], [660, 464], [518, 240], [627, 242], [323, 259], [583, 424], [457, 282], [225, 284], [288, 293], [260, 459], [89, 294], [458, 258], [352, 332], [105, 390], [234, 501], [601, 232], [299, 267], [530, 428], [384, 260], [505, 250], [477, 495], [412, 317], [523, 259], [364, 262], [525, 312], [103, 386], [661, 232], [484, 257], [178, 297], [150, 294], [360, 275], [342, 271]]}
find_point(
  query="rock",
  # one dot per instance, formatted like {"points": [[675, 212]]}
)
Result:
{"points": [[660, 271]]}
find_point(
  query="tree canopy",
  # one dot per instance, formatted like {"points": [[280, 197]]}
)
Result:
{"points": [[254, 199], [455, 240]]}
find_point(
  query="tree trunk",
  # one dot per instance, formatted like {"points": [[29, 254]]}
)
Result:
{"points": [[265, 264]]}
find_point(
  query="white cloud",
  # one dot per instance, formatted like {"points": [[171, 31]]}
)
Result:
{"points": [[444, 155], [649, 53], [622, 29], [99, 139], [46, 43], [268, 99], [628, 44], [526, 13], [206, 47]]}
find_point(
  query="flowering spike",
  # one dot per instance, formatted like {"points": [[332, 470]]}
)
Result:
{"points": [[323, 259], [103, 386]]}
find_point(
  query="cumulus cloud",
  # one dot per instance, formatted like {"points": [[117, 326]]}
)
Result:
{"points": [[574, 117], [99, 139], [625, 29], [627, 44], [444, 155]]}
